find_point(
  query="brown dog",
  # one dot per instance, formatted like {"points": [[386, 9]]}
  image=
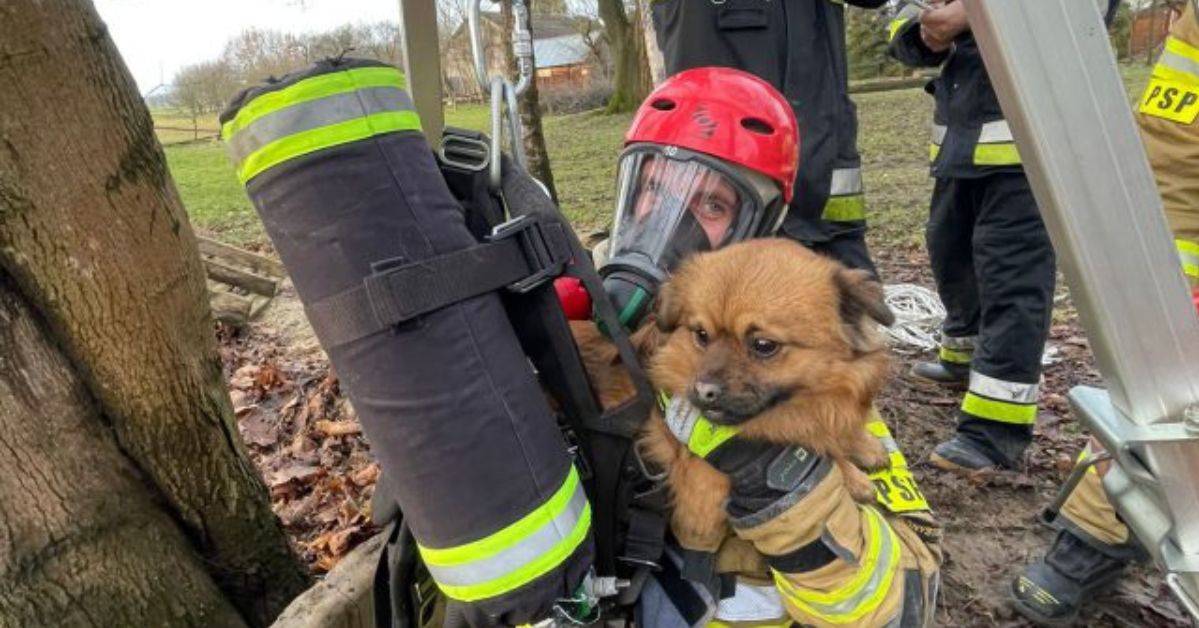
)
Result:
{"points": [[779, 341]]}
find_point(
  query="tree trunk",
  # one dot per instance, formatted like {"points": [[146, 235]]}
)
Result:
{"points": [[628, 84], [653, 54], [529, 105], [95, 239], [82, 541]]}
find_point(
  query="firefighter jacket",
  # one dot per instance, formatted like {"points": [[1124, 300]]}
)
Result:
{"points": [[830, 560], [1168, 115], [799, 47], [970, 139]]}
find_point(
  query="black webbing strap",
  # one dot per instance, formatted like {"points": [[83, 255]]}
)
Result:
{"points": [[522, 254]]}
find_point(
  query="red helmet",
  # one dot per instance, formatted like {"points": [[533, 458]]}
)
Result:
{"points": [[710, 160], [725, 113]]}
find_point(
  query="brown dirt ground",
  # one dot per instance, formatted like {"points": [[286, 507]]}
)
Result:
{"points": [[306, 442]]}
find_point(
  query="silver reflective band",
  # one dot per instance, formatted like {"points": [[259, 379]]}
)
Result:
{"points": [[846, 181], [681, 418], [315, 114], [997, 132], [751, 603], [958, 343], [510, 559], [1175, 61], [1001, 390], [889, 444], [939, 132]]}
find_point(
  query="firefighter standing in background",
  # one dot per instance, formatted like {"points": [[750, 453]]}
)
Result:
{"points": [[990, 253], [1093, 547], [798, 46]]}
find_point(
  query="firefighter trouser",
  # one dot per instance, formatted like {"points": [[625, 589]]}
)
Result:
{"points": [[994, 267]]}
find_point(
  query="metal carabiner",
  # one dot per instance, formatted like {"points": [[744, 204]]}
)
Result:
{"points": [[504, 93], [522, 46]]}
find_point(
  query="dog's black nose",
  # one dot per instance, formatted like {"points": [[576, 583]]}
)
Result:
{"points": [[707, 392]]}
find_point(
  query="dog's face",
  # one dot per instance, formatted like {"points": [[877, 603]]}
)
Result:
{"points": [[766, 324]]}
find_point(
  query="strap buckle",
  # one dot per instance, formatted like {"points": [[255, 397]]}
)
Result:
{"points": [[529, 233], [464, 149]]}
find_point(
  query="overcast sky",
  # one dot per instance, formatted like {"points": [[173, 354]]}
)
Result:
{"points": [[157, 37]]}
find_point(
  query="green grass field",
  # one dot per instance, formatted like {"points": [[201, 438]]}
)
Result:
{"points": [[893, 139]]}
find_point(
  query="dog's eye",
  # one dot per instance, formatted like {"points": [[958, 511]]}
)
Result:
{"points": [[701, 337], [764, 348]]}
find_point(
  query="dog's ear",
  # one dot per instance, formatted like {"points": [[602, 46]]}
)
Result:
{"points": [[668, 308], [862, 297]]}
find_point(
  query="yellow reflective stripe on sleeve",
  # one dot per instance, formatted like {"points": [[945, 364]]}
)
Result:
{"points": [[1179, 61], [319, 86], [865, 591], [707, 436], [1003, 154], [933, 151], [517, 554], [894, 487], [689, 426], [845, 208], [894, 27], [1001, 411], [300, 144], [954, 357], [1188, 256], [1176, 101]]}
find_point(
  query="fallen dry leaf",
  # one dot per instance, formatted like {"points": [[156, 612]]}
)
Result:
{"points": [[296, 472], [257, 430], [244, 377], [367, 475], [339, 428]]}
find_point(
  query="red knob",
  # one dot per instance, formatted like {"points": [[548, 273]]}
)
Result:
{"points": [[576, 303]]}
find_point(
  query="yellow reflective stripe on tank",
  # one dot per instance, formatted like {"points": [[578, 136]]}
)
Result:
{"points": [[313, 88], [954, 356], [1000, 411], [862, 594], [894, 26], [519, 553], [300, 144], [1003, 154], [1188, 256], [845, 208]]}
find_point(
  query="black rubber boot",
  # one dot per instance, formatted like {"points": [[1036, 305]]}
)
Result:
{"points": [[963, 456], [1072, 574], [942, 373]]}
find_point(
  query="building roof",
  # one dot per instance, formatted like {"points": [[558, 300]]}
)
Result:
{"points": [[543, 26], [554, 52]]}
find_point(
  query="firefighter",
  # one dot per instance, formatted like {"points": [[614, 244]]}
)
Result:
{"points": [[798, 46], [990, 252], [710, 160], [1093, 547]]}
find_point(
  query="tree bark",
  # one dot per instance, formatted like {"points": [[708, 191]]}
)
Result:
{"points": [[95, 238], [82, 542], [529, 106], [627, 56], [653, 54]]}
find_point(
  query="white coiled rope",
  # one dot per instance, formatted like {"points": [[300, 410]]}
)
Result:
{"points": [[918, 315]]}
